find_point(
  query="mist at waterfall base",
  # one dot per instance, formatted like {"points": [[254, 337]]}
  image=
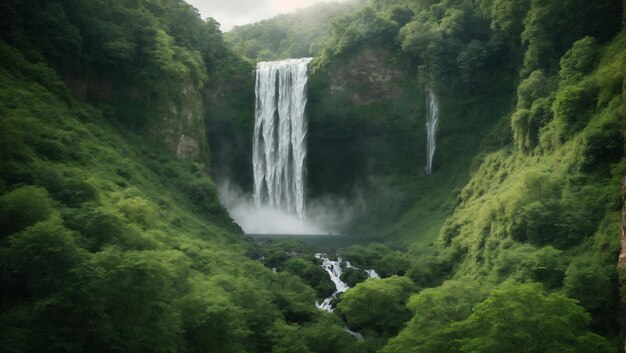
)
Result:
{"points": [[278, 204], [325, 215]]}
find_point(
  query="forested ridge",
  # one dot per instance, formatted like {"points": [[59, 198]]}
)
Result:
{"points": [[116, 116]]}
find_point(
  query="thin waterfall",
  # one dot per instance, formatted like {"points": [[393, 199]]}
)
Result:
{"points": [[280, 132], [432, 106]]}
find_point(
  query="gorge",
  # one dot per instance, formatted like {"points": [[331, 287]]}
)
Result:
{"points": [[166, 187]]}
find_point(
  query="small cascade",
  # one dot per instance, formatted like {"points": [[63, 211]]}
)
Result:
{"points": [[280, 131], [334, 270], [372, 274], [432, 105]]}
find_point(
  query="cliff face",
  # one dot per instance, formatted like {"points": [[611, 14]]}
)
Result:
{"points": [[175, 116], [364, 121], [367, 77], [229, 121], [179, 123]]}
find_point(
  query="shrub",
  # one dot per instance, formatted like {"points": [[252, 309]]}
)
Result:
{"points": [[67, 186], [602, 145], [312, 275], [534, 87], [522, 318], [571, 108], [353, 276], [138, 210], [377, 304], [24, 207], [579, 60]]}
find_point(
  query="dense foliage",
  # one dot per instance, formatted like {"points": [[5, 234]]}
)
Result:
{"points": [[288, 36], [109, 243], [527, 171]]}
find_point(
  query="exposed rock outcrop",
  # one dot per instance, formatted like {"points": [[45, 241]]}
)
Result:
{"points": [[180, 124], [367, 77]]}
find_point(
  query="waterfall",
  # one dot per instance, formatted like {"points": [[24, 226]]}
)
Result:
{"points": [[335, 270], [372, 274], [280, 131], [432, 106]]}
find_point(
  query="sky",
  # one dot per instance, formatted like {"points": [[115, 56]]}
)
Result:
{"points": [[230, 13]]}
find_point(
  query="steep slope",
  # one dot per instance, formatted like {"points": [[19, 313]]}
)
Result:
{"points": [[110, 239], [146, 62], [368, 121], [527, 175]]}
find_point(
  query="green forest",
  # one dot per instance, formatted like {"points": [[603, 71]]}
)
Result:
{"points": [[120, 118]]}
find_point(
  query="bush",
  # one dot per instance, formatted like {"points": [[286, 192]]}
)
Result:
{"points": [[44, 255], [313, 275], [67, 186], [548, 222], [591, 284], [527, 123], [353, 276], [547, 266], [571, 108], [579, 60], [601, 145], [24, 207], [102, 226], [377, 304], [139, 211], [203, 193], [534, 87], [434, 310], [522, 318]]}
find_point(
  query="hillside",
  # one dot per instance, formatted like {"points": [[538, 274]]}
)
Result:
{"points": [[294, 35], [530, 150], [111, 240]]}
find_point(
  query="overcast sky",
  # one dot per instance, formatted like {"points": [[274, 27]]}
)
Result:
{"points": [[230, 13]]}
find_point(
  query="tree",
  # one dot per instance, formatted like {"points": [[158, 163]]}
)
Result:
{"points": [[579, 60], [210, 320], [434, 310], [23, 207], [522, 318], [377, 304]]}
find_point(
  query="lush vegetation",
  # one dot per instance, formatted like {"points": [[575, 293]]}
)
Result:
{"points": [[294, 35], [528, 166], [108, 242], [112, 237]]}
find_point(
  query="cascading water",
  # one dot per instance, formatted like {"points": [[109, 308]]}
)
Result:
{"points": [[334, 269], [432, 104], [280, 131], [371, 274]]}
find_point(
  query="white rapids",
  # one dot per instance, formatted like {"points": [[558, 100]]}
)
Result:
{"points": [[334, 270], [280, 132]]}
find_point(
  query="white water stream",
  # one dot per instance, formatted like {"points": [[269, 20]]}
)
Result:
{"points": [[432, 122], [334, 269]]}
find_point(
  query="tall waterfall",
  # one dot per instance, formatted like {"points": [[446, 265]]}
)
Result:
{"points": [[432, 105], [280, 131]]}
